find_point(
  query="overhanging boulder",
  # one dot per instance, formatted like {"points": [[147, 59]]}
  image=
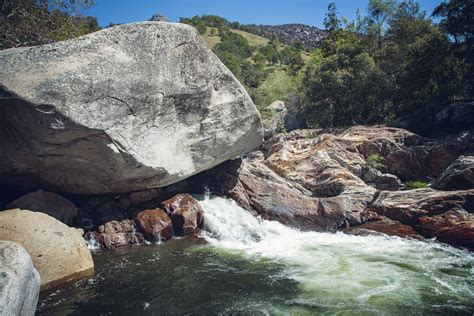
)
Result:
{"points": [[128, 108]]}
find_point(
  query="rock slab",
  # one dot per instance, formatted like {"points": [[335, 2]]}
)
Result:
{"points": [[128, 108], [19, 281], [59, 252]]}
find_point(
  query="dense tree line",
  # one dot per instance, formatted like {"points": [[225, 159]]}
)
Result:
{"points": [[36, 22], [392, 66]]}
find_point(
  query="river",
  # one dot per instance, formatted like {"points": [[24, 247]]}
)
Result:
{"points": [[244, 265]]}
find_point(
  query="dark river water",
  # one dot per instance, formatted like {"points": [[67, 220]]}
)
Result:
{"points": [[244, 265]]}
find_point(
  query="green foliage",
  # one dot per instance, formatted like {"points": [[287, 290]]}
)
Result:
{"points": [[235, 44], [268, 113], [416, 184], [270, 52], [282, 127], [394, 65], [292, 59], [298, 45], [197, 22], [375, 161], [278, 86], [252, 75], [31, 22]]}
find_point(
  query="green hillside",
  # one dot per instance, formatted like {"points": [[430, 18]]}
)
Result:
{"points": [[254, 40]]}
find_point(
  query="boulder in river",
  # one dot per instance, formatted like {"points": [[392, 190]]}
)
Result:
{"points": [[458, 176], [154, 224], [19, 281], [59, 252], [116, 234], [47, 202], [185, 212], [131, 107]]}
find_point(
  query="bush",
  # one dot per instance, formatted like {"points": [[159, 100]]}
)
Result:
{"points": [[375, 161], [278, 86], [416, 184]]}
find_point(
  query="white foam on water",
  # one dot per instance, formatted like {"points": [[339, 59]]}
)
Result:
{"points": [[340, 269]]}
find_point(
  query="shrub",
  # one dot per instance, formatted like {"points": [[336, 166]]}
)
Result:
{"points": [[416, 184], [375, 161]]}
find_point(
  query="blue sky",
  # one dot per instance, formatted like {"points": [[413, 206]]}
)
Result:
{"points": [[244, 11]]}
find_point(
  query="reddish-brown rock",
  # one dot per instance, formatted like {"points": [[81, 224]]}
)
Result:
{"points": [[385, 226], [455, 227], [408, 206], [155, 224], [185, 212], [116, 234], [319, 179]]}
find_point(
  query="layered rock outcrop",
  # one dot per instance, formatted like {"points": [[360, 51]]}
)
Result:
{"points": [[458, 176], [128, 108], [318, 179], [59, 252], [19, 281]]}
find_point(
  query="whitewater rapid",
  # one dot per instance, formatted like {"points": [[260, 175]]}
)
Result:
{"points": [[342, 272]]}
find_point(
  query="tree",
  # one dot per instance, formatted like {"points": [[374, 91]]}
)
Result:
{"points": [[379, 14], [331, 22], [458, 19], [298, 45], [36, 22], [458, 22], [292, 59], [270, 52]]}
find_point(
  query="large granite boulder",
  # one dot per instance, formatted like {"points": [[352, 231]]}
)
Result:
{"points": [[128, 108], [19, 281], [59, 252], [47, 202], [458, 176]]}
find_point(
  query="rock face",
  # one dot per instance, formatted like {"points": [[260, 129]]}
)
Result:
{"points": [[320, 180], [280, 118], [47, 202], [19, 281], [116, 234], [458, 176], [59, 252], [155, 224], [385, 226], [455, 227], [159, 18], [441, 214], [185, 212], [128, 108], [457, 117]]}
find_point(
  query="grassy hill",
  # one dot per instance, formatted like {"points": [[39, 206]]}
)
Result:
{"points": [[254, 40]]}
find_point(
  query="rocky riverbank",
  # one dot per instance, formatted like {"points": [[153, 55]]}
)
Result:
{"points": [[97, 136]]}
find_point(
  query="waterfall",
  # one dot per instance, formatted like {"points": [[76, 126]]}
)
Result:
{"points": [[331, 268]]}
